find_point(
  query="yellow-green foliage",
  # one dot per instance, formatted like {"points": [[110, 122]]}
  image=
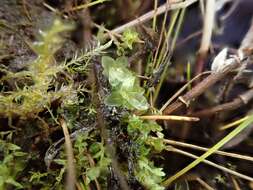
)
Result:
{"points": [[33, 95], [128, 39], [11, 165]]}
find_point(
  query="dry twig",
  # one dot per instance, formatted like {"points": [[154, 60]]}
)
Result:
{"points": [[241, 100], [169, 117], [204, 184], [163, 8], [195, 147], [192, 177], [71, 174], [236, 62], [200, 88]]}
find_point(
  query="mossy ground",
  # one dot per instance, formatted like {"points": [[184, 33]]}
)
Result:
{"points": [[58, 67]]}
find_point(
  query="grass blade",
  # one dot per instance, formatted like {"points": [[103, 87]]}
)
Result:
{"points": [[213, 149]]}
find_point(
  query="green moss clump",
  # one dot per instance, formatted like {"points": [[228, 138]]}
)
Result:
{"points": [[34, 94]]}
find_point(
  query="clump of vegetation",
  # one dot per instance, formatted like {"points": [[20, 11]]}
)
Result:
{"points": [[31, 92], [128, 38], [92, 159], [126, 91], [13, 161], [37, 87], [140, 131], [101, 99]]}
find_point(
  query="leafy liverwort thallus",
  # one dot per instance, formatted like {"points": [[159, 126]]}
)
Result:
{"points": [[126, 91]]}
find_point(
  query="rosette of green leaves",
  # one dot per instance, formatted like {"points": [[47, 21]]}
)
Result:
{"points": [[126, 91], [128, 38]]}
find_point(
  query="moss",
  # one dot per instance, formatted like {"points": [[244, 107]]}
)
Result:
{"points": [[33, 94]]}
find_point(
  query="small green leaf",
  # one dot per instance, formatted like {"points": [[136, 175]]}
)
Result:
{"points": [[19, 154], [114, 99], [129, 37], [122, 61], [95, 147], [36, 176], [93, 173], [13, 182], [125, 89], [121, 77], [135, 99], [60, 162], [149, 175], [107, 63], [60, 176], [11, 146], [157, 143], [103, 163]]}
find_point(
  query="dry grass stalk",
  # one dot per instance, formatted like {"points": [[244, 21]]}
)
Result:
{"points": [[71, 174], [208, 27], [195, 147], [211, 164], [204, 184], [169, 117]]}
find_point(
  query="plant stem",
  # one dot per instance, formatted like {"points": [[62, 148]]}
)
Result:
{"points": [[196, 147], [71, 174], [209, 163], [155, 16], [150, 14], [169, 117], [213, 149], [166, 61]]}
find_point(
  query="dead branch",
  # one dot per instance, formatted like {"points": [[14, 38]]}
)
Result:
{"points": [[163, 8], [200, 88], [245, 51], [241, 100]]}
